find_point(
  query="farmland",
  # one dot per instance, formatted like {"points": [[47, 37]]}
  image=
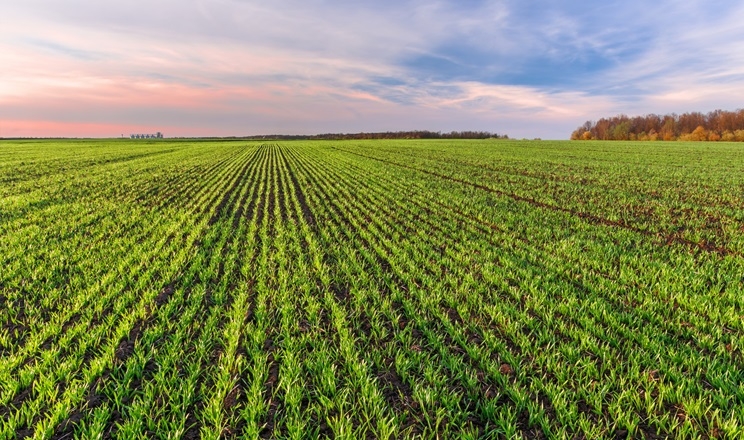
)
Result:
{"points": [[380, 289]]}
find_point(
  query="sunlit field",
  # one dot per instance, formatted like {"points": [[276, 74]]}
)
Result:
{"points": [[371, 289]]}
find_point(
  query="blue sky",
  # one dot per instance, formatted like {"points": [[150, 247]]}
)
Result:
{"points": [[229, 67]]}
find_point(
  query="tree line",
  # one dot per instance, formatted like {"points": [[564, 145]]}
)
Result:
{"points": [[718, 125], [416, 134]]}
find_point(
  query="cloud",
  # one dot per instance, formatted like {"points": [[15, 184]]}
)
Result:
{"points": [[528, 68]]}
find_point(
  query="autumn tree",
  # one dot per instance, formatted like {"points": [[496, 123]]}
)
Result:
{"points": [[714, 126]]}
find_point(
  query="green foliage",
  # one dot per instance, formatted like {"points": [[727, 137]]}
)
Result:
{"points": [[384, 289]]}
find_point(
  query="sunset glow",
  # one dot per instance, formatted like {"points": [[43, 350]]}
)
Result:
{"points": [[228, 68]]}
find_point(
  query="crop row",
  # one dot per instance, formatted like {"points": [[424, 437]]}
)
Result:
{"points": [[352, 290]]}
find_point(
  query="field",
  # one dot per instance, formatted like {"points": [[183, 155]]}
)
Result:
{"points": [[381, 289]]}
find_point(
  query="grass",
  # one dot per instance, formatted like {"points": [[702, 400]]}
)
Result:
{"points": [[384, 289]]}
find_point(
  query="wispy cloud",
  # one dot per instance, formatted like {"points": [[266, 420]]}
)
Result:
{"points": [[527, 68]]}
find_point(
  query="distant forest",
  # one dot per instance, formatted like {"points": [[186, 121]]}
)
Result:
{"points": [[718, 125], [419, 134]]}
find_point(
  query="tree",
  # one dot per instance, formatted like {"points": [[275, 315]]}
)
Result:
{"points": [[713, 126], [699, 134]]}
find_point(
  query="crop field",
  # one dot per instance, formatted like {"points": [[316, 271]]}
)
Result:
{"points": [[371, 289]]}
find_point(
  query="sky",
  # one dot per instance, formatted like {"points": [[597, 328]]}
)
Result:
{"points": [[525, 68]]}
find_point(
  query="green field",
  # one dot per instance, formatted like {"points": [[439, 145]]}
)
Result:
{"points": [[381, 289]]}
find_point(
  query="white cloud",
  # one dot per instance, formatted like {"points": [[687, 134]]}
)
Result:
{"points": [[315, 65]]}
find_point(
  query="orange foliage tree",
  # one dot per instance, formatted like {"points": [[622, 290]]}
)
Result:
{"points": [[718, 125]]}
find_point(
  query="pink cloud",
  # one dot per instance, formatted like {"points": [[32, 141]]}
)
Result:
{"points": [[42, 128]]}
